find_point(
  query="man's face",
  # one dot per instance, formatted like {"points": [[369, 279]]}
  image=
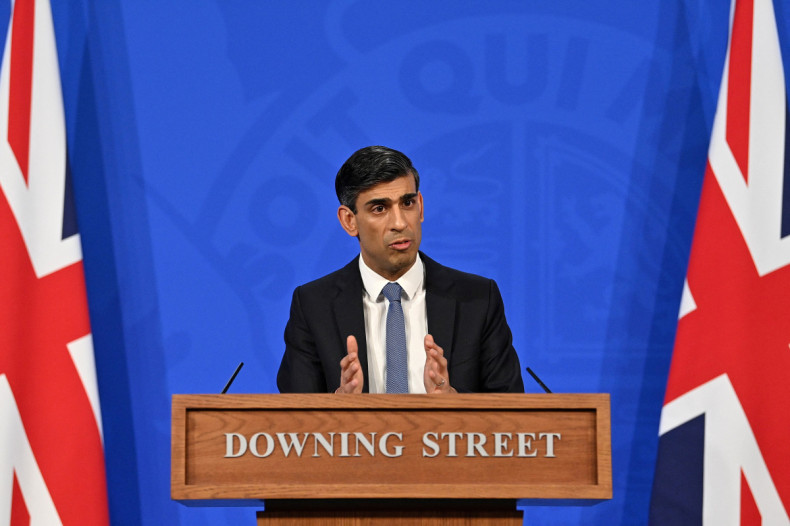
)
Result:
{"points": [[388, 224]]}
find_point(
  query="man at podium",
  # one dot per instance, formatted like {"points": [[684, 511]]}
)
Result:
{"points": [[393, 320]]}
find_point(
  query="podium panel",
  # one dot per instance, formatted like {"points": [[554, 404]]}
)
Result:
{"points": [[309, 447]]}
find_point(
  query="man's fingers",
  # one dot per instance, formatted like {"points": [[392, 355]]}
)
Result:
{"points": [[348, 360], [348, 366], [348, 375], [429, 343], [434, 352], [438, 357], [350, 369], [348, 387], [437, 379], [351, 345]]}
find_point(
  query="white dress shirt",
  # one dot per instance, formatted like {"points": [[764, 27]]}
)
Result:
{"points": [[414, 314]]}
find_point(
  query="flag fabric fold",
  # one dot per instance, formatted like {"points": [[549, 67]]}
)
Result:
{"points": [[724, 432], [51, 451]]}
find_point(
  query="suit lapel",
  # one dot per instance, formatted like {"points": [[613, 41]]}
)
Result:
{"points": [[439, 304], [349, 315]]}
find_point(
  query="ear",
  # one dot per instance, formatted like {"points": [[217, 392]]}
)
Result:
{"points": [[348, 220], [422, 210]]}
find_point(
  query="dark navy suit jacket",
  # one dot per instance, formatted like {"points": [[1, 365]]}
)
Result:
{"points": [[466, 317]]}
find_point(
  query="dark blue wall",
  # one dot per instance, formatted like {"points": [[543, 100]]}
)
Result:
{"points": [[561, 145]]}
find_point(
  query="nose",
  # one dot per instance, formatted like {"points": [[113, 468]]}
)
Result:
{"points": [[398, 219]]}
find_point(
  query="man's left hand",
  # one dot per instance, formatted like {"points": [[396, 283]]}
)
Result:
{"points": [[436, 377]]}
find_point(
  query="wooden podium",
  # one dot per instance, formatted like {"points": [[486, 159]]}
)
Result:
{"points": [[390, 459]]}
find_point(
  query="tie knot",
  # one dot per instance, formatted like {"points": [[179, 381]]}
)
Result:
{"points": [[392, 291]]}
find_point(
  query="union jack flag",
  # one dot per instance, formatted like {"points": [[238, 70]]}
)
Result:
{"points": [[725, 428], [51, 453]]}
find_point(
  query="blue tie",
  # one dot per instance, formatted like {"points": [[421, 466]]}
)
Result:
{"points": [[397, 369]]}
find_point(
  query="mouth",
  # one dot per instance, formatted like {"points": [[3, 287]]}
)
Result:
{"points": [[400, 244]]}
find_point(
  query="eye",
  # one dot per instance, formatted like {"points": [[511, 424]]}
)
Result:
{"points": [[408, 202], [378, 209]]}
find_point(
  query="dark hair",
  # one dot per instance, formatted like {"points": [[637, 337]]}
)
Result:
{"points": [[368, 167]]}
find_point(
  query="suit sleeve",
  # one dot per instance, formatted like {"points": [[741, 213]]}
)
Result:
{"points": [[300, 370], [500, 367]]}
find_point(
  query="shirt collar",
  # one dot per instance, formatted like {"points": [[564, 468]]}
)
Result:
{"points": [[411, 281]]}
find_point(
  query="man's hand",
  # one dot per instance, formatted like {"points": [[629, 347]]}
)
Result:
{"points": [[436, 378], [351, 378]]}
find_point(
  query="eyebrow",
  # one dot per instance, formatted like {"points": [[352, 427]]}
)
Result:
{"points": [[378, 201], [387, 200]]}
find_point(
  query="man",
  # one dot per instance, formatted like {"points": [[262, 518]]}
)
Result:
{"points": [[394, 320]]}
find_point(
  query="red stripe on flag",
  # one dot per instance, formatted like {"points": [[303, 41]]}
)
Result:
{"points": [[19, 514], [739, 84], [21, 82], [750, 514]]}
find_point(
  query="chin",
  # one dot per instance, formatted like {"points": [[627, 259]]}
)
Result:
{"points": [[404, 260]]}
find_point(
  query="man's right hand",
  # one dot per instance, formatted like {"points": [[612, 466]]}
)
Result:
{"points": [[351, 379]]}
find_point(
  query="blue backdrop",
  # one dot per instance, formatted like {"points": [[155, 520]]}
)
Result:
{"points": [[561, 146]]}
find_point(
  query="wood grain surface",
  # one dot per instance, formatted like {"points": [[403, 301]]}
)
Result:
{"points": [[579, 469]]}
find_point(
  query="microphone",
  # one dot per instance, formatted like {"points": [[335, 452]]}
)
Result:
{"points": [[535, 376], [227, 385]]}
